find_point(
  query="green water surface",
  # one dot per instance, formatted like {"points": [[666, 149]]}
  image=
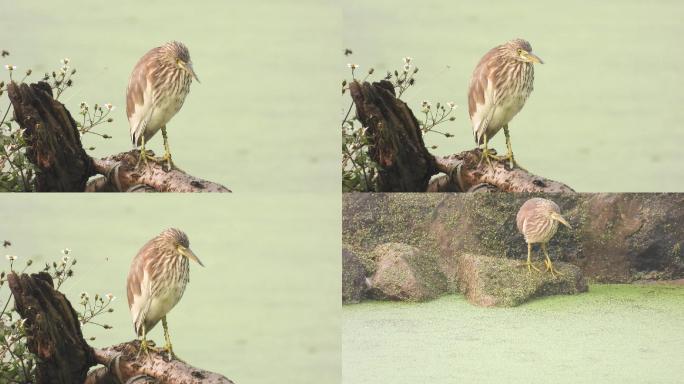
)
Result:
{"points": [[606, 112], [263, 308], [263, 116], [613, 334]]}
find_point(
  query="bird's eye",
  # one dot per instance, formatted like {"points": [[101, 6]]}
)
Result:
{"points": [[520, 51]]}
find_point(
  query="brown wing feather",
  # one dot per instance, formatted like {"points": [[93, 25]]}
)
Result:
{"points": [[136, 273], [476, 92], [135, 93]]}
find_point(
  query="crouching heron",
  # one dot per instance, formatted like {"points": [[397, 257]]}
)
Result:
{"points": [[156, 92], [501, 83], [156, 282], [538, 221]]}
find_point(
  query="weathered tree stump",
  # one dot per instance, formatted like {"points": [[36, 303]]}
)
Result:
{"points": [[405, 164], [54, 141], [54, 335], [53, 332], [396, 142], [63, 165]]}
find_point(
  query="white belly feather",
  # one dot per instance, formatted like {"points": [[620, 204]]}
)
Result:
{"points": [[148, 310], [164, 110]]}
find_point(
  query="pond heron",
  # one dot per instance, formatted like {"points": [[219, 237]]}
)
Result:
{"points": [[500, 85], [156, 282], [156, 91], [538, 221]]}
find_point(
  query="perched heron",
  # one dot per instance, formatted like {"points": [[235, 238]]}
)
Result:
{"points": [[156, 91], [500, 85], [156, 282], [538, 221]]}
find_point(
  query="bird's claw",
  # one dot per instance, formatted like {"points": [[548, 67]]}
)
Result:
{"points": [[145, 347], [165, 161], [169, 350], [143, 158], [487, 156], [531, 266], [550, 268]]}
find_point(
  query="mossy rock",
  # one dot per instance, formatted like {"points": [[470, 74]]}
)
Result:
{"points": [[404, 272], [499, 282], [353, 278], [615, 238]]}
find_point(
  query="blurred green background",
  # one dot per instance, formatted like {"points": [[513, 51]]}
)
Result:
{"points": [[265, 309], [612, 334], [263, 116], [606, 113]]}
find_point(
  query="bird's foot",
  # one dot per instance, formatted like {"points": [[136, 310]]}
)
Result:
{"points": [[168, 348], [487, 156], [550, 268], [165, 161], [143, 158], [145, 347], [512, 163], [530, 266]]}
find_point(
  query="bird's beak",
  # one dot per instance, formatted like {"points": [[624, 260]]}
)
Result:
{"points": [[533, 58], [560, 219], [187, 252], [191, 70]]}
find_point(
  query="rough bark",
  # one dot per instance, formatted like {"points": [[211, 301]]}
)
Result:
{"points": [[396, 142], [405, 164], [54, 147], [464, 172], [120, 174], [53, 139], [54, 335], [53, 332], [120, 365]]}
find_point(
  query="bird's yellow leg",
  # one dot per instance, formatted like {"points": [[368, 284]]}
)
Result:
{"points": [[143, 154], [509, 148], [167, 151], [487, 155], [144, 346], [548, 263], [168, 347], [530, 266]]}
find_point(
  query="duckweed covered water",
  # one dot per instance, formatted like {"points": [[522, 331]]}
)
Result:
{"points": [[263, 308], [606, 104], [612, 334]]}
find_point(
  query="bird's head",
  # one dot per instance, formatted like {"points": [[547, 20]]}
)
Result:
{"points": [[557, 217], [179, 241], [521, 50], [180, 55]]}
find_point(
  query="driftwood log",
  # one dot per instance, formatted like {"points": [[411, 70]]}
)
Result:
{"points": [[54, 147], [396, 145], [53, 334]]}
